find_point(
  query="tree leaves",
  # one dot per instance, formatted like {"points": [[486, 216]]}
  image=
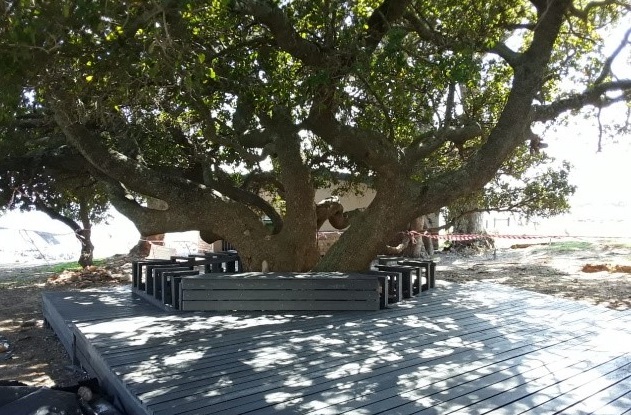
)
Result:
{"points": [[431, 99]]}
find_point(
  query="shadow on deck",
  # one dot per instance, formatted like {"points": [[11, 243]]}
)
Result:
{"points": [[471, 348]]}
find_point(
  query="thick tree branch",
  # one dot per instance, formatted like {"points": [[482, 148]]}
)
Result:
{"points": [[367, 148], [381, 20], [427, 33], [224, 185], [292, 172], [53, 214], [256, 181], [595, 96], [312, 54], [82, 234], [233, 142], [510, 56], [148, 221], [332, 210], [115, 164], [426, 144], [30, 121], [508, 132], [282, 30], [255, 139], [61, 161], [179, 193], [424, 31]]}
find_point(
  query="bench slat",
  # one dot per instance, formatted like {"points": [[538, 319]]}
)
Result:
{"points": [[265, 305], [280, 291], [278, 295], [219, 283]]}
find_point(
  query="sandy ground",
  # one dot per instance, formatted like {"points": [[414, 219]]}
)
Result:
{"points": [[30, 352], [594, 271]]}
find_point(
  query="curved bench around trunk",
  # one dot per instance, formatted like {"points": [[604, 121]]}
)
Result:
{"points": [[281, 291]]}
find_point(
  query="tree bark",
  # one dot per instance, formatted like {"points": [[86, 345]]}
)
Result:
{"points": [[470, 223], [142, 249], [388, 214], [83, 234], [87, 248], [417, 249]]}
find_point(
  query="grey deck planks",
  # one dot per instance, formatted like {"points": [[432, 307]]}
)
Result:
{"points": [[618, 405], [470, 348], [438, 327], [325, 388]]}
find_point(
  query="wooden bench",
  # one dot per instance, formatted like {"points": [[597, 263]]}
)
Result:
{"points": [[281, 291], [156, 280], [390, 286], [428, 267], [409, 278], [171, 287]]}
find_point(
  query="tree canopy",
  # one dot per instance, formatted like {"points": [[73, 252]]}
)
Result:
{"points": [[210, 105], [38, 171]]}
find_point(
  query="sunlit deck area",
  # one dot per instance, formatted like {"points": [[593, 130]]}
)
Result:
{"points": [[469, 349]]}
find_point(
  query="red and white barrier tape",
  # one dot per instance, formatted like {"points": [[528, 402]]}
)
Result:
{"points": [[468, 237]]}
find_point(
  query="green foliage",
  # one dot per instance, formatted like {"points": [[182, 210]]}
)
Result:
{"points": [[569, 246], [72, 266], [194, 90], [40, 172], [526, 187], [530, 193]]}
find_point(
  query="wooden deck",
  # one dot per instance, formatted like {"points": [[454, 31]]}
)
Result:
{"points": [[467, 349]]}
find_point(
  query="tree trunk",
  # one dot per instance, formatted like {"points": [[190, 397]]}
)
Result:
{"points": [[142, 249], [416, 248], [370, 230], [87, 248], [284, 254], [83, 234], [433, 224], [472, 224]]}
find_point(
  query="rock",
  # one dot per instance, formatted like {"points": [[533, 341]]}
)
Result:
{"points": [[622, 268], [85, 393], [594, 268]]}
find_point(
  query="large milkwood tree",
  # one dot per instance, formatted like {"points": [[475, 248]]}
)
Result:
{"points": [[211, 105]]}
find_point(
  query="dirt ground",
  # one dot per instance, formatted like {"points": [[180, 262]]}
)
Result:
{"points": [[30, 352]]}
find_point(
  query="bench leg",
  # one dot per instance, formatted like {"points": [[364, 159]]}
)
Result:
{"points": [[396, 287], [426, 285], [407, 282], [383, 297], [166, 289]]}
